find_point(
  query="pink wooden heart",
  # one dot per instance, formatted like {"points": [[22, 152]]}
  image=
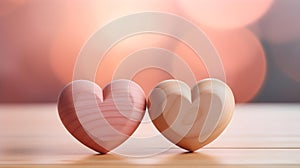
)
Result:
{"points": [[191, 118], [101, 120]]}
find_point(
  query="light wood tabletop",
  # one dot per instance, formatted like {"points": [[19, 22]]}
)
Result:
{"points": [[259, 135]]}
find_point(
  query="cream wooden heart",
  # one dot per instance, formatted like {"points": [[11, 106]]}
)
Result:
{"points": [[102, 120], [191, 118]]}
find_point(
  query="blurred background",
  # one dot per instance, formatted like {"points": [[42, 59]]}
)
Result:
{"points": [[258, 42]]}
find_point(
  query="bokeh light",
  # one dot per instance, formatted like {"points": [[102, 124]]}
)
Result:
{"points": [[83, 18], [40, 41], [281, 23], [224, 14], [26, 36], [9, 6], [242, 56], [125, 48]]}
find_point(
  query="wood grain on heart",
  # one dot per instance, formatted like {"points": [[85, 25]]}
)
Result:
{"points": [[102, 120], [191, 118]]}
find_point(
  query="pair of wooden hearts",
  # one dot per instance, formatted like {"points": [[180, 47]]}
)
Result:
{"points": [[104, 119]]}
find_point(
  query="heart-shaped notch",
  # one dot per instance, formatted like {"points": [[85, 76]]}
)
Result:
{"points": [[191, 118], [102, 120]]}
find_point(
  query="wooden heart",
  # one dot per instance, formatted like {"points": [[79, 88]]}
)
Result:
{"points": [[191, 118], [101, 120]]}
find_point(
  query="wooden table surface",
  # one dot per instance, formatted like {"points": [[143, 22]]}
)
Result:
{"points": [[259, 135]]}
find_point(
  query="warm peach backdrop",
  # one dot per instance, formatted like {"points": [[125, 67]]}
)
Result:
{"points": [[257, 40]]}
